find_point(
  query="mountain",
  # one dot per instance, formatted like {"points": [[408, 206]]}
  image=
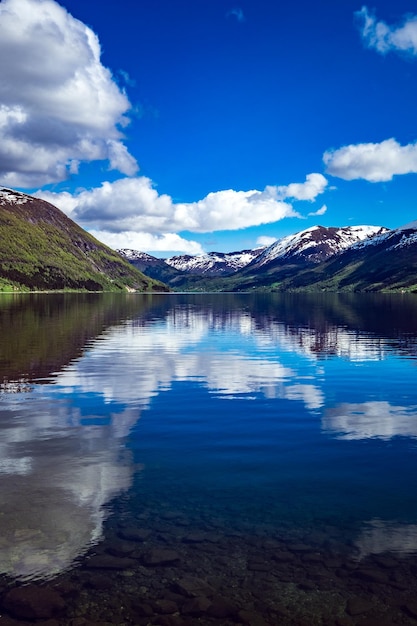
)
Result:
{"points": [[302, 251], [186, 271], [43, 249], [153, 267], [313, 245], [386, 262], [351, 258], [306, 248], [214, 263], [254, 269]]}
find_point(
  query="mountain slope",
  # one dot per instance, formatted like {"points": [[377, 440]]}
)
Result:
{"points": [[313, 245], [214, 263], [359, 258], [265, 268], [191, 272], [41, 248], [386, 262], [152, 266], [297, 253]]}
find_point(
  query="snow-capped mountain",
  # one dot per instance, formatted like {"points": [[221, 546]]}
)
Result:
{"points": [[178, 270], [214, 263], [151, 265], [352, 258], [316, 244], [401, 237], [136, 257], [385, 262], [308, 247]]}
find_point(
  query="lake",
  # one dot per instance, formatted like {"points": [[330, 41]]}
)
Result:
{"points": [[183, 459]]}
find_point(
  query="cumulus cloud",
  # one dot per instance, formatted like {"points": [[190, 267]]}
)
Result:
{"points": [[375, 162], [230, 210], [320, 211], [313, 186], [147, 242], [133, 205], [385, 38], [378, 162], [59, 105]]}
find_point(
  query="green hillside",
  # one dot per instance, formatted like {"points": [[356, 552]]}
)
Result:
{"points": [[42, 249]]}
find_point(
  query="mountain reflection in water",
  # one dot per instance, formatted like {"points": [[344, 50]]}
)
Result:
{"points": [[279, 414]]}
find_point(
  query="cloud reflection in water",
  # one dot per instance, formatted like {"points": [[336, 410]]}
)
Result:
{"points": [[61, 443], [379, 537], [373, 419]]}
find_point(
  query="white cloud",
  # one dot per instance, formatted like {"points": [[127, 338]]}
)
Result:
{"points": [[131, 210], [374, 162], [128, 204], [58, 104], [120, 159], [169, 242], [265, 240], [313, 186], [60, 107], [378, 162], [385, 38], [320, 211], [230, 210]]}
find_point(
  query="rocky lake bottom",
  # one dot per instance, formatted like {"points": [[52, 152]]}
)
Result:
{"points": [[162, 567]]}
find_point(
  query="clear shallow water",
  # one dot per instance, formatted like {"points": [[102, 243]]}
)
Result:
{"points": [[265, 445]]}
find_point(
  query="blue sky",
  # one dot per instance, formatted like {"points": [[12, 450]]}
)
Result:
{"points": [[175, 126]]}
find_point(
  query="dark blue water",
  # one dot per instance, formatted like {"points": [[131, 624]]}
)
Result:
{"points": [[268, 442]]}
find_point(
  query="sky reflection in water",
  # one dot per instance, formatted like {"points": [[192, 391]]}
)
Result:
{"points": [[241, 394]]}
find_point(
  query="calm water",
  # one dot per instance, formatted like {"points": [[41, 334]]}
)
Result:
{"points": [[208, 459]]}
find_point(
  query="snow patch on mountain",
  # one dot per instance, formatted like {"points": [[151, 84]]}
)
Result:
{"points": [[406, 241], [9, 196], [135, 255], [318, 243], [403, 236], [312, 245], [214, 263]]}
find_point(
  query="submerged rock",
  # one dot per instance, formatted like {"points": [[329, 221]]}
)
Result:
{"points": [[32, 602], [357, 606], [221, 608], [107, 561], [193, 587], [160, 557], [250, 618], [196, 606], [135, 534], [410, 607]]}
